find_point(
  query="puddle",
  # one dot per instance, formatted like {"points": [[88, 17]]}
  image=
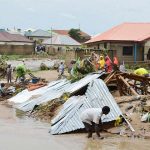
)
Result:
{"points": [[23, 133]]}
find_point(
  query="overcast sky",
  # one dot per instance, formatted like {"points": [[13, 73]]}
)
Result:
{"points": [[93, 16]]}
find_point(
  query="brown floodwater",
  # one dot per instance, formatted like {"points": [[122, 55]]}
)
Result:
{"points": [[23, 133]]}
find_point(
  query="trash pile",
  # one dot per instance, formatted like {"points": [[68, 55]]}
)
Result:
{"points": [[62, 101]]}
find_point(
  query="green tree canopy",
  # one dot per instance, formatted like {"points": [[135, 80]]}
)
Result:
{"points": [[75, 34]]}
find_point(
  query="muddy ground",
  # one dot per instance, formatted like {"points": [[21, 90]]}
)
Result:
{"points": [[19, 132], [22, 133]]}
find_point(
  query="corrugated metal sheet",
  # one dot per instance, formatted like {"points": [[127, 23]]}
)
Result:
{"points": [[61, 40], [39, 33], [97, 96], [51, 93], [26, 95], [56, 91]]}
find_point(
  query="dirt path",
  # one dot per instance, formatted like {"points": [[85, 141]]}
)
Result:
{"points": [[49, 75]]}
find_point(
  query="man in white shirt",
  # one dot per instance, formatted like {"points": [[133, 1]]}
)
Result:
{"points": [[93, 116]]}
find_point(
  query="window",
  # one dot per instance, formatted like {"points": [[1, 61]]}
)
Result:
{"points": [[105, 45], [128, 50]]}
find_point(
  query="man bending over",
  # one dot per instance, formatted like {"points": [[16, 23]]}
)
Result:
{"points": [[92, 116]]}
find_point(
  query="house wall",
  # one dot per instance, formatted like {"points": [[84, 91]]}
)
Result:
{"points": [[56, 49], [41, 39], [116, 49], [10, 49], [146, 50], [65, 53]]}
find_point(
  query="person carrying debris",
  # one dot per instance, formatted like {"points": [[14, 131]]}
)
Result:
{"points": [[9, 73], [20, 72], [92, 117]]}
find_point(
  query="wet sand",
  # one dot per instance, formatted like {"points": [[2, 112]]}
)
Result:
{"points": [[23, 133]]}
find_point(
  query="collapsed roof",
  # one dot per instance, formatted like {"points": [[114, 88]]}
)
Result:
{"points": [[27, 100], [96, 96]]}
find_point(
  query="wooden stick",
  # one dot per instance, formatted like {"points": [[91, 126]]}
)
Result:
{"points": [[126, 83], [110, 76]]}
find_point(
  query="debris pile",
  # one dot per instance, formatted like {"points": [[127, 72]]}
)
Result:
{"points": [[62, 102], [129, 84], [46, 112]]}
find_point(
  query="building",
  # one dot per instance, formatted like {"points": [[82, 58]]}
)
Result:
{"points": [[84, 36], [60, 43], [128, 41], [38, 35], [15, 44]]}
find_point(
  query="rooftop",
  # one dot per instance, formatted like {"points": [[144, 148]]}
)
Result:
{"points": [[125, 32], [66, 32], [38, 33], [7, 37], [61, 40]]}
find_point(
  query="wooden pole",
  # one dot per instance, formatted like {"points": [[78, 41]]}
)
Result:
{"points": [[126, 83]]}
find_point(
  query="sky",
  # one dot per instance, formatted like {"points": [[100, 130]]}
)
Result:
{"points": [[92, 16]]}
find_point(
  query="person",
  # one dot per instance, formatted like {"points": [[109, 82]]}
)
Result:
{"points": [[61, 69], [92, 117], [20, 72], [115, 64], [70, 66], [116, 61], [9, 73], [141, 72], [122, 67], [108, 64], [2, 89], [102, 62]]}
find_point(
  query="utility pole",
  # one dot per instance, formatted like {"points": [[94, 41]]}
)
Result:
{"points": [[51, 35], [79, 26], [51, 38]]}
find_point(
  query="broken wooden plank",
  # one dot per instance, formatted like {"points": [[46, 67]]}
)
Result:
{"points": [[126, 83], [109, 77]]}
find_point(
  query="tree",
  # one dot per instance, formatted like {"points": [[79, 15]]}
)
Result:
{"points": [[75, 34]]}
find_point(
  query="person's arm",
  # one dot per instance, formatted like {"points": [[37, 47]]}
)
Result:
{"points": [[96, 121]]}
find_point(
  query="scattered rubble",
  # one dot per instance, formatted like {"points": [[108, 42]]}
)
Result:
{"points": [[62, 101], [46, 112]]}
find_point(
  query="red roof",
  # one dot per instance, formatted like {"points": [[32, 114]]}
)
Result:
{"points": [[125, 32], [65, 32], [7, 37]]}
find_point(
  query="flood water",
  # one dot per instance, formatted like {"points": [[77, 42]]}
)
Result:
{"points": [[22, 133]]}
